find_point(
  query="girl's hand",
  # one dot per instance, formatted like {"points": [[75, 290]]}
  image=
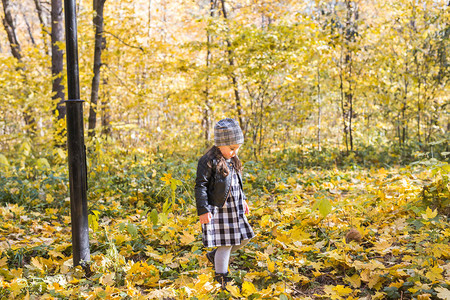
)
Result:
{"points": [[205, 218], [246, 208]]}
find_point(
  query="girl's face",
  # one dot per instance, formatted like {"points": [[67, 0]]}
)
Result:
{"points": [[229, 151]]}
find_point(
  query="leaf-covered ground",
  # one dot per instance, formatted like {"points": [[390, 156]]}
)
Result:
{"points": [[321, 234]]}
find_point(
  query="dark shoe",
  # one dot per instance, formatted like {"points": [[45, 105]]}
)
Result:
{"points": [[223, 279], [211, 256]]}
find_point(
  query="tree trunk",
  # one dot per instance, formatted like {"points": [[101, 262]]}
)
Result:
{"points": [[106, 110], [419, 110], [234, 79], [99, 44], [319, 108], [8, 23], [207, 109], [343, 105], [57, 58], [44, 30], [10, 29], [404, 122], [350, 33]]}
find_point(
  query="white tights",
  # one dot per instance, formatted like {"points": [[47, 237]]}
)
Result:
{"points": [[222, 256]]}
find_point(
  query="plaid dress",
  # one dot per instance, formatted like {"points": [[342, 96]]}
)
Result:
{"points": [[229, 225]]}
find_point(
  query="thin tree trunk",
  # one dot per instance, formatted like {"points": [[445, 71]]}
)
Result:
{"points": [[343, 106], [350, 33], [399, 130], [30, 33], [44, 30], [419, 109], [57, 58], [106, 110], [350, 117], [8, 23], [403, 109], [233, 75], [319, 108], [261, 115], [98, 23], [207, 108]]}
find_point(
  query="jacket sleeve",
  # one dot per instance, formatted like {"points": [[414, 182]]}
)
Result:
{"points": [[241, 179], [204, 171]]}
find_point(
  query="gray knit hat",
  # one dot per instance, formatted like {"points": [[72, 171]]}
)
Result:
{"points": [[227, 132]]}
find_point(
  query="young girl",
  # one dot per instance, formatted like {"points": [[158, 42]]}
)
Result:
{"points": [[221, 203]]}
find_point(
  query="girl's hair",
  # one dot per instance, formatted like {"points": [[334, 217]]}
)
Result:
{"points": [[222, 166]]}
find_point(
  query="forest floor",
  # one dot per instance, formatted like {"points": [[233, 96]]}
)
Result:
{"points": [[351, 233]]}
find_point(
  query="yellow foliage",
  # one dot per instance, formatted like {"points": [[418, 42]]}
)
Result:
{"points": [[429, 214], [248, 288], [186, 238], [342, 290], [354, 280], [234, 290], [435, 274], [141, 273], [108, 279]]}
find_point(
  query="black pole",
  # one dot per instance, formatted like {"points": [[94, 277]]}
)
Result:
{"points": [[75, 143]]}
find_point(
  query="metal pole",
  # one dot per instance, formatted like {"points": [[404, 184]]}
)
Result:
{"points": [[75, 143]]}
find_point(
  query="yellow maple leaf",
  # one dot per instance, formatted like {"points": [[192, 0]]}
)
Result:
{"points": [[355, 280], [16, 286], [150, 252], [342, 290], [187, 238], [429, 214], [382, 245], [37, 264], [55, 286], [234, 291], [3, 262], [167, 258], [365, 275], [270, 265], [17, 273], [248, 289], [424, 297], [379, 295], [107, 279], [397, 284], [375, 264], [297, 234], [373, 280], [56, 254], [300, 279], [435, 273], [440, 250]]}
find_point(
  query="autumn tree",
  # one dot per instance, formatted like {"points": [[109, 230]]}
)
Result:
{"points": [[99, 46], [57, 38], [10, 28]]}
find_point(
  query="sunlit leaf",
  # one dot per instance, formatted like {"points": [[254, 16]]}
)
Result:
{"points": [[248, 289], [443, 293], [429, 214]]}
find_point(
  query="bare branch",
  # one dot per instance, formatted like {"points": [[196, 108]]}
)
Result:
{"points": [[123, 42]]}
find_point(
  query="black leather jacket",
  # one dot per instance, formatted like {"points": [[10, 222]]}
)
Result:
{"points": [[211, 188]]}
